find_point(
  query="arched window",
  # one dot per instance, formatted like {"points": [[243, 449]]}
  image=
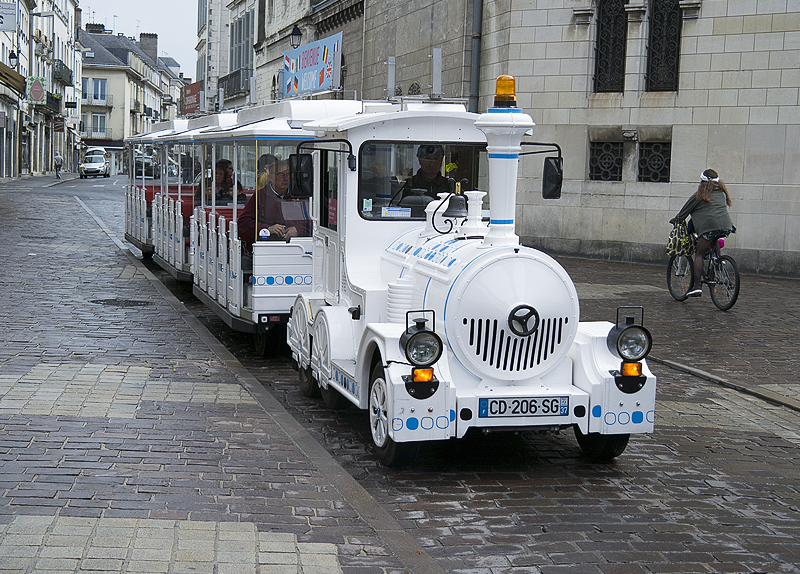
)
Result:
{"points": [[664, 47], [612, 33]]}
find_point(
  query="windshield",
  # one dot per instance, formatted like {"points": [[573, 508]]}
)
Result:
{"points": [[94, 159], [398, 179]]}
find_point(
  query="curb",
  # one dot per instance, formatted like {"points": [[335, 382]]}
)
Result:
{"points": [[60, 181], [763, 394]]}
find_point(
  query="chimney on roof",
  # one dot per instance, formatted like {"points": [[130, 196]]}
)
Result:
{"points": [[95, 28], [149, 45]]}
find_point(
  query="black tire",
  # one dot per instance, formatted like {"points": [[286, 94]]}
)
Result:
{"points": [[332, 398], [271, 343], [389, 452], [307, 385], [725, 287], [260, 343], [680, 276], [601, 447]]}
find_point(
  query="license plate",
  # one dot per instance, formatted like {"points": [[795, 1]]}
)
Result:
{"points": [[524, 407]]}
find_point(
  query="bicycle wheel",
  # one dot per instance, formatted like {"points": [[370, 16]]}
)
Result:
{"points": [[725, 289], [679, 276]]}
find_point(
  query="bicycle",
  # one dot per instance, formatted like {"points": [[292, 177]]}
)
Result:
{"points": [[720, 273]]}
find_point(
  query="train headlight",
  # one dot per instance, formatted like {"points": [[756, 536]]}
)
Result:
{"points": [[629, 341], [421, 346]]}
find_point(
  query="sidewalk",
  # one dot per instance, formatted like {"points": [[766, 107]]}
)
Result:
{"points": [[132, 441], [40, 178]]}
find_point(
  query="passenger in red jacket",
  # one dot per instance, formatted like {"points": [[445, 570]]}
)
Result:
{"points": [[279, 217]]}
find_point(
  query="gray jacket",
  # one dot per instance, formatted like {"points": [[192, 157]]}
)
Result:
{"points": [[707, 216]]}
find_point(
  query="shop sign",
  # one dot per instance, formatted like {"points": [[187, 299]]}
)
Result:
{"points": [[310, 68], [36, 89], [8, 16], [191, 97]]}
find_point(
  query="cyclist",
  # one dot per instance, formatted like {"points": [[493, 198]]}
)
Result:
{"points": [[709, 210]]}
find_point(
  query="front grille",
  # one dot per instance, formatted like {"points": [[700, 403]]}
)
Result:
{"points": [[497, 347]]}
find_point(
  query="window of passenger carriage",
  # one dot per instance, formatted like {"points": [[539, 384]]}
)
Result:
{"points": [[398, 179], [329, 206]]}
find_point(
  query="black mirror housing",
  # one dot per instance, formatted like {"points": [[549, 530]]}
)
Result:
{"points": [[552, 177], [301, 175]]}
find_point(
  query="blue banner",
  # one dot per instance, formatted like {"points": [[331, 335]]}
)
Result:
{"points": [[310, 68]]}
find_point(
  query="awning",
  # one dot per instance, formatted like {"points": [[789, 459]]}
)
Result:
{"points": [[12, 79]]}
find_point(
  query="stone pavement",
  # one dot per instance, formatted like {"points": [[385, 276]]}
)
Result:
{"points": [[750, 348], [133, 441]]}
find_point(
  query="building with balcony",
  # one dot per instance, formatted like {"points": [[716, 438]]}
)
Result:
{"points": [[41, 50], [126, 88]]}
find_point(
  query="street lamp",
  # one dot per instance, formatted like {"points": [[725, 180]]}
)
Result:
{"points": [[13, 59], [296, 36]]}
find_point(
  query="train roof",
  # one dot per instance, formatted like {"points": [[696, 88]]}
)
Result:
{"points": [[387, 112], [299, 112], [160, 129], [271, 128]]}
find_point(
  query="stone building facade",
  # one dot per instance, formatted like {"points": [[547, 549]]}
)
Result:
{"points": [[641, 95], [728, 101]]}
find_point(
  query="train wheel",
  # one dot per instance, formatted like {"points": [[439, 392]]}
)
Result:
{"points": [[389, 452], [332, 398], [270, 343], [308, 386], [601, 447], [260, 343]]}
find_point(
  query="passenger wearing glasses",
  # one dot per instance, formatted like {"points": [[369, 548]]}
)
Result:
{"points": [[280, 217]]}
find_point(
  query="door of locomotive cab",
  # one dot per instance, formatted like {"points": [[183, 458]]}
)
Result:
{"points": [[327, 253]]}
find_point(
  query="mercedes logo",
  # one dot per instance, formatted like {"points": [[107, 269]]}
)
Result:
{"points": [[523, 320]]}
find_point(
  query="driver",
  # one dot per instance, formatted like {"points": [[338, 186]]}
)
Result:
{"points": [[429, 175]]}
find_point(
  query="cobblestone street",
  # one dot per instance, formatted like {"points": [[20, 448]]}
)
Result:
{"points": [[131, 440]]}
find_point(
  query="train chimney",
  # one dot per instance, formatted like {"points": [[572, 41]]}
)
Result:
{"points": [[504, 125]]}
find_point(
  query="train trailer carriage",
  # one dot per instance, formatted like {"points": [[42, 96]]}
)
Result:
{"points": [[435, 321], [188, 209]]}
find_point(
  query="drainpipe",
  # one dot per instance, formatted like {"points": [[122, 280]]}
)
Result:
{"points": [[475, 67]]}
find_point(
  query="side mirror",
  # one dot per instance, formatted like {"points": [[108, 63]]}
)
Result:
{"points": [[552, 177], [301, 175]]}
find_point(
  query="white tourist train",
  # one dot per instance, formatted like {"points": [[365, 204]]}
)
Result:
{"points": [[412, 298], [435, 321]]}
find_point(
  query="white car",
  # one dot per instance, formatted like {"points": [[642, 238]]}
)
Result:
{"points": [[94, 165]]}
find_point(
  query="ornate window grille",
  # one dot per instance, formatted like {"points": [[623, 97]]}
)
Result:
{"points": [[664, 49], [605, 161], [654, 161], [612, 33]]}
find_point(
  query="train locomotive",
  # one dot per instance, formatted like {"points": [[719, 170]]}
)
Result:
{"points": [[434, 320]]}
